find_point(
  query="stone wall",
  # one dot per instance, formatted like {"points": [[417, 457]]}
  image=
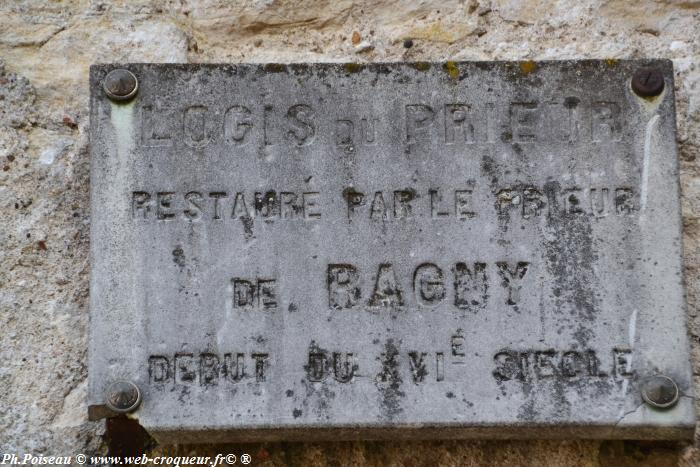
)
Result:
{"points": [[46, 48]]}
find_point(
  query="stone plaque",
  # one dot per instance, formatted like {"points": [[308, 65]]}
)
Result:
{"points": [[335, 251]]}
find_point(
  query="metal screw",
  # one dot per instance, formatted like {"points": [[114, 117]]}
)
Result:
{"points": [[123, 397], [648, 82], [660, 391], [120, 85]]}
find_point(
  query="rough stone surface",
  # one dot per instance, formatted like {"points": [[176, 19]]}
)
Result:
{"points": [[330, 251], [47, 48]]}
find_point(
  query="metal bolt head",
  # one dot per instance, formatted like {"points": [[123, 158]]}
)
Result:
{"points": [[123, 397], [660, 392], [120, 85], [648, 82]]}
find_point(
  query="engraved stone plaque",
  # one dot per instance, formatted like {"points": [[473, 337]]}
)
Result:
{"points": [[338, 251]]}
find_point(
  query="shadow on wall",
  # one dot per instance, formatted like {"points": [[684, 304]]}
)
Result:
{"points": [[125, 437]]}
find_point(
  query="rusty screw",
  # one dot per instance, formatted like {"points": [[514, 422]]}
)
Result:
{"points": [[660, 392], [648, 82], [120, 85], [123, 397]]}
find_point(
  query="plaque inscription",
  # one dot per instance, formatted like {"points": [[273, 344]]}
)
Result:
{"points": [[366, 251]]}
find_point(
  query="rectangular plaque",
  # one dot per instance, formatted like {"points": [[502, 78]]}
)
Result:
{"points": [[337, 251]]}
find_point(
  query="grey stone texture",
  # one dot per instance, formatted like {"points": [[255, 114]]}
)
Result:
{"points": [[47, 48], [325, 251]]}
